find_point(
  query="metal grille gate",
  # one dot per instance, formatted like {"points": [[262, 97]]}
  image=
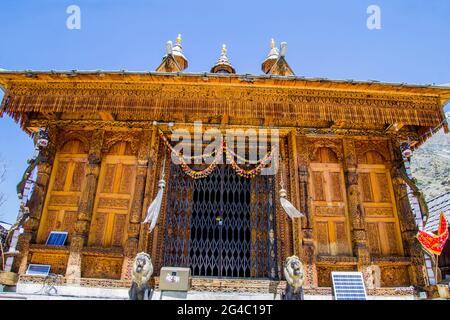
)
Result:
{"points": [[221, 226]]}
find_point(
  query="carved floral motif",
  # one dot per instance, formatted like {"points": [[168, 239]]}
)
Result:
{"points": [[113, 137], [334, 144], [65, 136], [379, 146]]}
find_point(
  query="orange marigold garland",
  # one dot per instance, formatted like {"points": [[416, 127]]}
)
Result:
{"points": [[249, 174], [202, 173]]}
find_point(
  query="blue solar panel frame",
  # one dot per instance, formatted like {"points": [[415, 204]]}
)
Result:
{"points": [[348, 285], [56, 238], [38, 270]]}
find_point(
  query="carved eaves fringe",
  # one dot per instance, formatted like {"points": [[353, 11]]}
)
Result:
{"points": [[420, 111]]}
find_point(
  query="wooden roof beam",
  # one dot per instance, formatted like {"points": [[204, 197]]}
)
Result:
{"points": [[394, 127], [106, 116]]}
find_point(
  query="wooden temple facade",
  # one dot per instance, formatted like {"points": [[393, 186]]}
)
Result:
{"points": [[339, 150]]}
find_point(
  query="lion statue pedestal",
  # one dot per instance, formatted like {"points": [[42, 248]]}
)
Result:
{"points": [[294, 275], [141, 273]]}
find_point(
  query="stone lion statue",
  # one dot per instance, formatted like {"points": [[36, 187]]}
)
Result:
{"points": [[141, 273], [294, 275]]}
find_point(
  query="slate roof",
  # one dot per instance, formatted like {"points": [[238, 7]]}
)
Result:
{"points": [[435, 206]]}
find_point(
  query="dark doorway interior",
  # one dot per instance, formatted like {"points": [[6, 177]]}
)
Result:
{"points": [[220, 225]]}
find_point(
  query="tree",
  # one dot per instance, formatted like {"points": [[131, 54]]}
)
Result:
{"points": [[2, 179], [2, 201]]}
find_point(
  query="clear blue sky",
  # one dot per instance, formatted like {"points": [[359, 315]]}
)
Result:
{"points": [[325, 39]]}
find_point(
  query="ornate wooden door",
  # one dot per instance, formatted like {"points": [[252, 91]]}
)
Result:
{"points": [[329, 205], [61, 204], [113, 198], [379, 206]]}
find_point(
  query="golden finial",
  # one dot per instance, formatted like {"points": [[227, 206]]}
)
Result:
{"points": [[224, 50], [179, 39], [272, 43]]}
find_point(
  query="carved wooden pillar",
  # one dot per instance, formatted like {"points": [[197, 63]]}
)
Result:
{"points": [[158, 235], [283, 222], [150, 190], [36, 202], [408, 228], [134, 225], [294, 191], [152, 243], [86, 208], [355, 210], [308, 255]]}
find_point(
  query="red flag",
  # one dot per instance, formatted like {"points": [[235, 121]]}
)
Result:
{"points": [[434, 244], [442, 224]]}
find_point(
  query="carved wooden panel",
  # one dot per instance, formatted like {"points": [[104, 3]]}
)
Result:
{"points": [[78, 176], [379, 205], [364, 179], [66, 182], [60, 177], [329, 205], [74, 142], [336, 189], [395, 276], [341, 238], [372, 151], [118, 229], [50, 222], [374, 238], [68, 223], [390, 237], [108, 182], [114, 197], [324, 273], [318, 183], [100, 228], [57, 261], [323, 240], [101, 267], [382, 181]]}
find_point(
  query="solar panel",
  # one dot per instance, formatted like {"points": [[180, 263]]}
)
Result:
{"points": [[348, 286], [38, 270], [56, 238]]}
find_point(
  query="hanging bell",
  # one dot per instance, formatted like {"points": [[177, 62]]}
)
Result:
{"points": [[406, 150], [42, 138]]}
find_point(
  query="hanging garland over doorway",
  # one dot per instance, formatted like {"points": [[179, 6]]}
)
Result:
{"points": [[217, 154]]}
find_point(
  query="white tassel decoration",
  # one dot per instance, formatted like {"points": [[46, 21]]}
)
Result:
{"points": [[155, 207], [291, 211]]}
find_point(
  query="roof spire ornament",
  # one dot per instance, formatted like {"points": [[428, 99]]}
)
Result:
{"points": [[275, 62], [174, 60], [223, 65]]}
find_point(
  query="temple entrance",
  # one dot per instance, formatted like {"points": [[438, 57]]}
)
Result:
{"points": [[221, 226]]}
